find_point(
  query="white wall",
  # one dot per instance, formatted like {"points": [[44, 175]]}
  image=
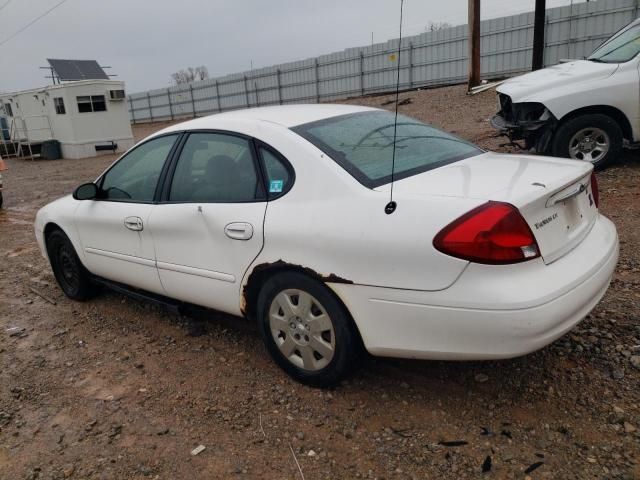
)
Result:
{"points": [[77, 132]]}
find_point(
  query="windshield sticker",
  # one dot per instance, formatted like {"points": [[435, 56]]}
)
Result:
{"points": [[276, 186]]}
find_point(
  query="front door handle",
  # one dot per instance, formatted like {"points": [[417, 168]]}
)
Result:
{"points": [[239, 230], [133, 223]]}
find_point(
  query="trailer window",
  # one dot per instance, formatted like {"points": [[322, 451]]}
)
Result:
{"points": [[93, 103], [58, 102]]}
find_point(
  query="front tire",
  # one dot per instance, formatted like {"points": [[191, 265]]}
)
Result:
{"points": [[306, 330], [595, 138], [73, 278]]}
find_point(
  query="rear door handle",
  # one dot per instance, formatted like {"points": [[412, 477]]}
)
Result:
{"points": [[133, 223], [239, 230]]}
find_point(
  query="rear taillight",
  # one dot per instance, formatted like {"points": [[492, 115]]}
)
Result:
{"points": [[594, 189], [493, 233]]}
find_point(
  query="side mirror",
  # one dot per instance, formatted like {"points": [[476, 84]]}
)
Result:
{"points": [[86, 191]]}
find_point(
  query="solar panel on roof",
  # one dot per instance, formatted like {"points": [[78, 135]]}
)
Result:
{"points": [[69, 70]]}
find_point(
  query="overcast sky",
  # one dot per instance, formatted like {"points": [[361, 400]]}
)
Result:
{"points": [[146, 41]]}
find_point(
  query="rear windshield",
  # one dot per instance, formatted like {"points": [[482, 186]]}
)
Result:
{"points": [[362, 143]]}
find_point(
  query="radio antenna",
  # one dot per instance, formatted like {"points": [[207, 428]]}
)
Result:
{"points": [[391, 206]]}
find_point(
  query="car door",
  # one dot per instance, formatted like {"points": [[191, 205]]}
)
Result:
{"points": [[208, 228], [113, 229]]}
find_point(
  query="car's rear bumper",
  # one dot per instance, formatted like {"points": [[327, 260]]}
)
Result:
{"points": [[491, 311]]}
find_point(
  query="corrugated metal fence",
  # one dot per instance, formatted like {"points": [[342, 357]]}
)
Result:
{"points": [[428, 59]]}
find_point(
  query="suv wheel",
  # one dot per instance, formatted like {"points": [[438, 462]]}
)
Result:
{"points": [[594, 138]]}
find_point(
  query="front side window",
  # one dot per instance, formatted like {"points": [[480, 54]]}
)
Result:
{"points": [[362, 144], [215, 168], [7, 107], [91, 103], [620, 48], [135, 176], [58, 103]]}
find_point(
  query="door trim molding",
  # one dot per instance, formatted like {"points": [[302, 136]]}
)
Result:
{"points": [[198, 272], [121, 256]]}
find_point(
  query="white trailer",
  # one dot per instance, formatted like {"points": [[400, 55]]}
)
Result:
{"points": [[87, 117]]}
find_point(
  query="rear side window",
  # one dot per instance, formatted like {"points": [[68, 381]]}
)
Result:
{"points": [[216, 168], [135, 176], [279, 177]]}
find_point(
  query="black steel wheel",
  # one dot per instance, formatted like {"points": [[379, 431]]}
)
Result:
{"points": [[73, 278]]}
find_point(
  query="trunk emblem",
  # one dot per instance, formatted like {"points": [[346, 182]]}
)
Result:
{"points": [[545, 221]]}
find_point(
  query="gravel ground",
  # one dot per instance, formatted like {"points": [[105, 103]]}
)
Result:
{"points": [[118, 389]]}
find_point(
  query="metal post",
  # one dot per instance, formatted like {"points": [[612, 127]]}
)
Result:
{"points": [[170, 106], [133, 112], [279, 86], [570, 39], [474, 43], [317, 81], [150, 108], [410, 64], [246, 91], [193, 102], [218, 97], [538, 36], [361, 73]]}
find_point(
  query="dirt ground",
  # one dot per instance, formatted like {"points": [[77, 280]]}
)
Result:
{"points": [[116, 389]]}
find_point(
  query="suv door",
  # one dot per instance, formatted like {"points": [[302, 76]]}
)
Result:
{"points": [[114, 229], [208, 229]]}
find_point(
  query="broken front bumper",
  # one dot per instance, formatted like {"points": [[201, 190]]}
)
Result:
{"points": [[528, 121], [500, 123]]}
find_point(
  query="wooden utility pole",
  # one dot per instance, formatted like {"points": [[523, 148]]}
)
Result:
{"points": [[474, 43]]}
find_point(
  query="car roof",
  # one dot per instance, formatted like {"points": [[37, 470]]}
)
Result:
{"points": [[285, 115]]}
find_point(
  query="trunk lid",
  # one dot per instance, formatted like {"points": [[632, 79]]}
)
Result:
{"points": [[553, 195]]}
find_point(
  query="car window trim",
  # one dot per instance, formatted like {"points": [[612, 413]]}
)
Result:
{"points": [[171, 170], [100, 180], [258, 144]]}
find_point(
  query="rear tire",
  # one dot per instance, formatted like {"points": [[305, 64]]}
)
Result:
{"points": [[73, 278], [595, 138], [306, 330]]}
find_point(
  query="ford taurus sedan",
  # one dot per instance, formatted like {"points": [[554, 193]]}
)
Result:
{"points": [[278, 214]]}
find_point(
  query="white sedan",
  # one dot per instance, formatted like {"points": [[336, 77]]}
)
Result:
{"points": [[278, 214]]}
